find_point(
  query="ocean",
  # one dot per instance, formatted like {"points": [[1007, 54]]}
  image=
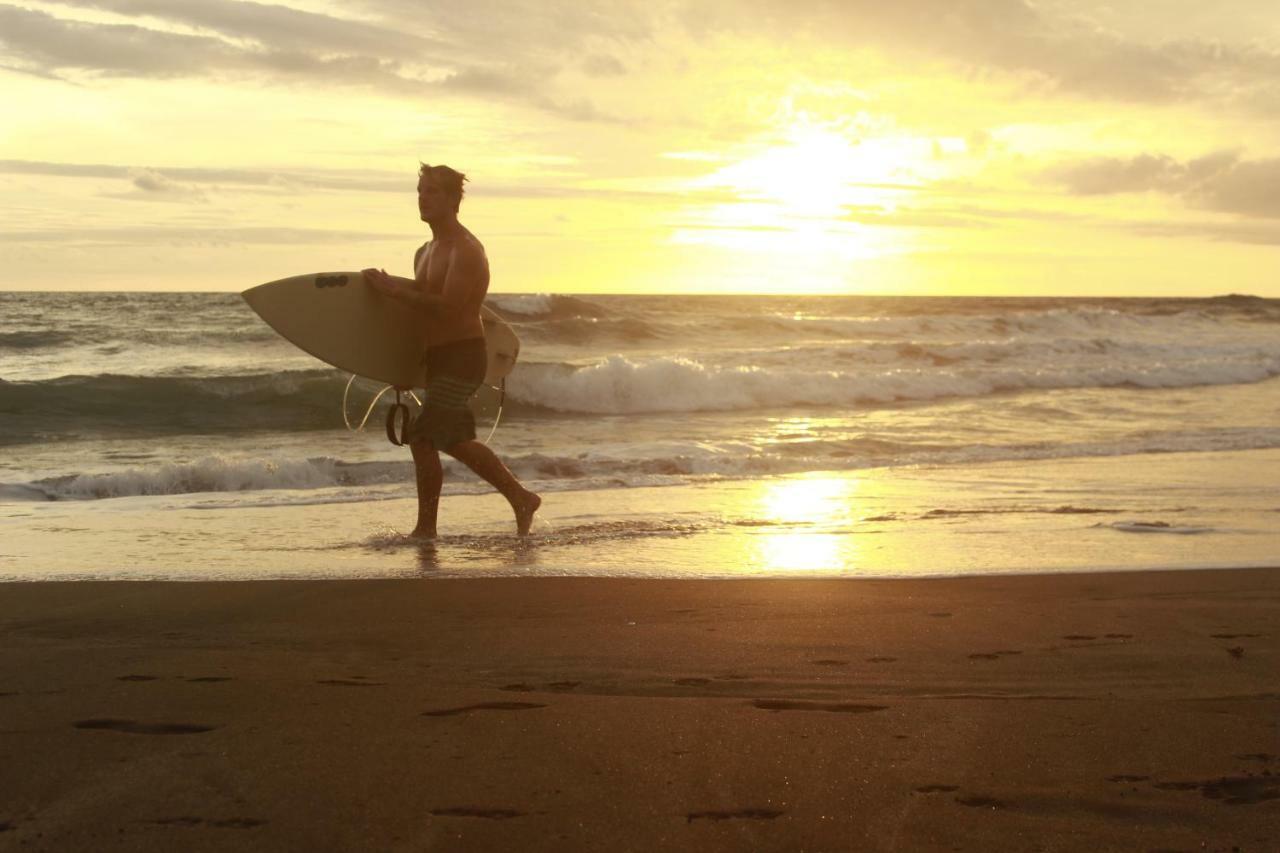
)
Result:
{"points": [[175, 435]]}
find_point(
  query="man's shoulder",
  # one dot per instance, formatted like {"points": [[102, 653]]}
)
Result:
{"points": [[472, 242], [469, 246]]}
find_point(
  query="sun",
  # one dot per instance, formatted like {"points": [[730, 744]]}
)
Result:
{"points": [[795, 193], [815, 172]]}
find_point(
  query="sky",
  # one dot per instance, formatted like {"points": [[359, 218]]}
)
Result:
{"points": [[940, 147]]}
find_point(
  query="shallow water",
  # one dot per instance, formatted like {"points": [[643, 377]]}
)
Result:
{"points": [[174, 435], [1124, 513]]}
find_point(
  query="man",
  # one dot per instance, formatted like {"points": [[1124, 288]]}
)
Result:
{"points": [[451, 278]]}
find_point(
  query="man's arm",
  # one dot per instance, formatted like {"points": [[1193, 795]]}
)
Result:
{"points": [[405, 290]]}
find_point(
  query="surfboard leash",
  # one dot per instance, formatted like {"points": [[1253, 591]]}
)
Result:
{"points": [[369, 411], [401, 411], [502, 398]]}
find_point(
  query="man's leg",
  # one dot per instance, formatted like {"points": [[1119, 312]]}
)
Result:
{"points": [[479, 458], [430, 477]]}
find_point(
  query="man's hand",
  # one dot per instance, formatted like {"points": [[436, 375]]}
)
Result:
{"points": [[380, 281]]}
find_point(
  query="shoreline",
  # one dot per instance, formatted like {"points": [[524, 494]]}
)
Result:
{"points": [[1133, 710], [993, 520]]}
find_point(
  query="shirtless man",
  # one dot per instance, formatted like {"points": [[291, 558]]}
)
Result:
{"points": [[451, 278]]}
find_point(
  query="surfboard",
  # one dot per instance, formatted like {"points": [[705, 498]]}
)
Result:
{"points": [[341, 320]]}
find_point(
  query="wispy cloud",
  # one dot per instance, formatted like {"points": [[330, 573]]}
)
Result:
{"points": [[1056, 53], [1221, 181], [145, 235], [284, 27], [197, 180], [271, 42], [150, 185], [327, 179]]}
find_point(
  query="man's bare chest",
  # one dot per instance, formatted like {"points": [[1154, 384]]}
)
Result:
{"points": [[433, 265]]}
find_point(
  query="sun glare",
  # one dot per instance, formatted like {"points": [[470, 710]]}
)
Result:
{"points": [[796, 193], [818, 512], [814, 502], [816, 173]]}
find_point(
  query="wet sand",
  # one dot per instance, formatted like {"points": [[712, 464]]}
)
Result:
{"points": [[1060, 712]]}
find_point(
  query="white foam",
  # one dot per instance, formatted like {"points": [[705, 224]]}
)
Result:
{"points": [[211, 474], [620, 385], [528, 304]]}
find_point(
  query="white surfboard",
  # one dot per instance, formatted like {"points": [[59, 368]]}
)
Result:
{"points": [[341, 320]]}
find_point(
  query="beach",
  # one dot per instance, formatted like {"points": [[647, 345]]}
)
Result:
{"points": [[810, 574], [1121, 711]]}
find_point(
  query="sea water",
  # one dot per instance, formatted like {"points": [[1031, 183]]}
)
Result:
{"points": [[175, 435]]}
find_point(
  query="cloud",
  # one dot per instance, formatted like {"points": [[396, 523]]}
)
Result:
{"points": [[278, 27], [1109, 175], [325, 179], [517, 50], [150, 185], [143, 235], [1221, 181], [1055, 52], [598, 65], [350, 181], [406, 65], [1254, 233], [48, 44], [1248, 188]]}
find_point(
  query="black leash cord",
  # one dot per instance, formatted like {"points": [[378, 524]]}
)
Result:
{"points": [[394, 435]]}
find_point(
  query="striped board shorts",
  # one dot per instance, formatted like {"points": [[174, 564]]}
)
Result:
{"points": [[454, 371]]}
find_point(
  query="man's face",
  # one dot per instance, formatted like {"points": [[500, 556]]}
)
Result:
{"points": [[433, 201]]}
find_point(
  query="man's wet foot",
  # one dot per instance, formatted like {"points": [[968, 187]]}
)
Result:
{"points": [[524, 513], [422, 533]]}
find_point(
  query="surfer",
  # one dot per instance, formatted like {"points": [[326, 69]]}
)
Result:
{"points": [[451, 278]]}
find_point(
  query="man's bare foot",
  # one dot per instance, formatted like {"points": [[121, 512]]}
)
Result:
{"points": [[422, 533], [524, 513]]}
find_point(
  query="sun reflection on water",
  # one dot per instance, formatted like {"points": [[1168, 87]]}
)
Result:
{"points": [[809, 521]]}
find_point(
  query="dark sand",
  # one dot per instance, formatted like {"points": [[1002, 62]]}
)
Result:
{"points": [[1133, 712]]}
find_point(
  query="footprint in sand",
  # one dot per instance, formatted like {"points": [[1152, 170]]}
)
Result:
{"points": [[881, 660], [226, 823], [737, 814], [471, 811], [483, 706], [135, 728], [981, 802], [1232, 790], [830, 707], [342, 682]]}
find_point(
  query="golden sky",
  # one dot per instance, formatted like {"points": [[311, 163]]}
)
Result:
{"points": [[1002, 147]]}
